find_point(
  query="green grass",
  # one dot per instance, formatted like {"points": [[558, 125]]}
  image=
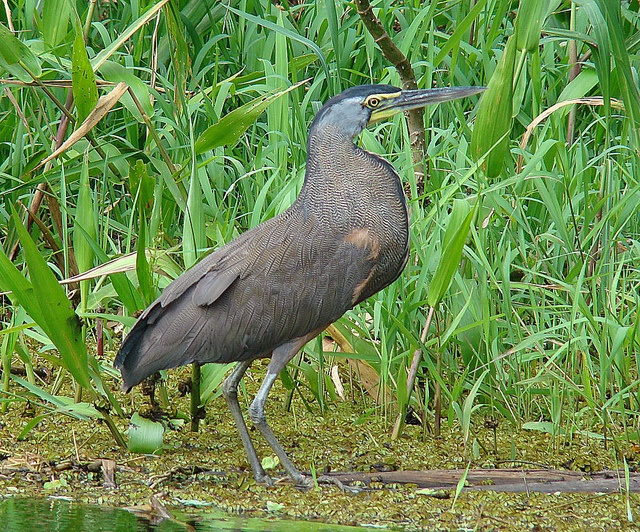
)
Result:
{"points": [[540, 323]]}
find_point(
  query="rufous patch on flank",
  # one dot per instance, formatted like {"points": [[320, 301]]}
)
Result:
{"points": [[362, 238], [357, 292]]}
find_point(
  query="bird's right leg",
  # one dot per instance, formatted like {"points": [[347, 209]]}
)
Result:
{"points": [[279, 359], [230, 392]]}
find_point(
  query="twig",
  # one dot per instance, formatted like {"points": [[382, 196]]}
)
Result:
{"points": [[415, 117], [417, 355]]}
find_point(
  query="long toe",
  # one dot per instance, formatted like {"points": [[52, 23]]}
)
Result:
{"points": [[306, 482], [326, 479], [302, 481], [264, 479]]}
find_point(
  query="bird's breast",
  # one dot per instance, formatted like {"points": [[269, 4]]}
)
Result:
{"points": [[357, 198]]}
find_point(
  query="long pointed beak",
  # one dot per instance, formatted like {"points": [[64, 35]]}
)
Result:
{"points": [[413, 99]]}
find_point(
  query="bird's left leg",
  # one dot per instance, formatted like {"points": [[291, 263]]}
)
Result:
{"points": [[230, 392]]}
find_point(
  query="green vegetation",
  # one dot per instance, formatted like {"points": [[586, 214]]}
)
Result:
{"points": [[208, 471], [539, 326]]}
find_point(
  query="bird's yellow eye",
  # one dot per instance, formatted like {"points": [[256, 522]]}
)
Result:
{"points": [[372, 102]]}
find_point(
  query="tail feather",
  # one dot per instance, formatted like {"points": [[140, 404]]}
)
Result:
{"points": [[127, 360], [162, 339]]}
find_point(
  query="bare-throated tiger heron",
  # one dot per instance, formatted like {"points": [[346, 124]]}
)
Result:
{"points": [[277, 286]]}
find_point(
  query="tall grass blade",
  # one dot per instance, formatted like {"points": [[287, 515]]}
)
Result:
{"points": [[452, 245], [288, 33], [528, 24], [628, 81], [126, 34], [84, 233], [55, 22], [56, 317]]}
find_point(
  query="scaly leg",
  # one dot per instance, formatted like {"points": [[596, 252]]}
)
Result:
{"points": [[230, 392], [279, 359], [256, 413]]}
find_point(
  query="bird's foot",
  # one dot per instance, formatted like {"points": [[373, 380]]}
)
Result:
{"points": [[306, 482], [264, 479], [326, 479]]}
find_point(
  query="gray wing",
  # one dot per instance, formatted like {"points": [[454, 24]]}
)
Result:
{"points": [[279, 281]]}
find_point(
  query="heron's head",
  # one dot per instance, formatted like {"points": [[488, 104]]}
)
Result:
{"points": [[355, 108]]}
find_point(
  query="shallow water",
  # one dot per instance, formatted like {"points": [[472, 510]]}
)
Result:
{"points": [[19, 514]]}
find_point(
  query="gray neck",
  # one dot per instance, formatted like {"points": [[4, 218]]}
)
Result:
{"points": [[346, 186]]}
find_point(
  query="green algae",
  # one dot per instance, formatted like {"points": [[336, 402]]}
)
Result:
{"points": [[208, 471]]}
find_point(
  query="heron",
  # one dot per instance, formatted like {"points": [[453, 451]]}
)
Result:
{"points": [[275, 287]]}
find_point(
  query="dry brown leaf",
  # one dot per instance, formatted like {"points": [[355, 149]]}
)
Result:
{"points": [[363, 372], [595, 101], [104, 105], [337, 382]]}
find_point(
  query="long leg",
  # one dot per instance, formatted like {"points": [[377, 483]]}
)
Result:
{"points": [[230, 392], [256, 413], [279, 359]]}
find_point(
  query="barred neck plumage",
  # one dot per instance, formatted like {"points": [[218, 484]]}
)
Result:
{"points": [[336, 166]]}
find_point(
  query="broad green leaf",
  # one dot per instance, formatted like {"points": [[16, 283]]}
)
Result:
{"points": [[84, 231], [231, 126], [55, 21], [580, 86], [528, 24], [452, 245], [270, 462], [57, 318], [212, 376], [301, 62], [55, 484], [142, 185], [145, 436], [83, 80], [493, 121], [16, 58], [117, 73], [362, 349], [142, 266], [20, 290]]}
